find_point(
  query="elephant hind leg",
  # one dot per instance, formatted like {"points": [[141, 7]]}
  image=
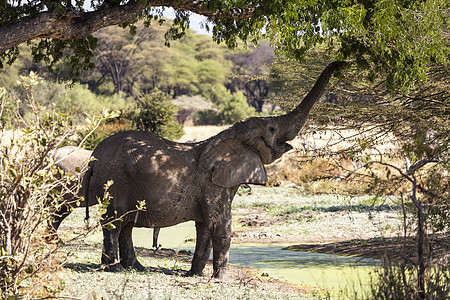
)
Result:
{"points": [[126, 249], [110, 261], [155, 237]]}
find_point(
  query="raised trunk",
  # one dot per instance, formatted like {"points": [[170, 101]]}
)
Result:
{"points": [[295, 120]]}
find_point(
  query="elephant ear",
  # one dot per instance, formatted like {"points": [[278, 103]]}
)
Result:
{"points": [[232, 164]]}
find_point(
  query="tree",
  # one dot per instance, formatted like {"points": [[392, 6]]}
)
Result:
{"points": [[398, 143], [386, 126], [391, 37], [230, 108], [249, 70], [131, 63], [134, 65]]}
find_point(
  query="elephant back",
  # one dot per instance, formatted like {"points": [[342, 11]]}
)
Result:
{"points": [[71, 159]]}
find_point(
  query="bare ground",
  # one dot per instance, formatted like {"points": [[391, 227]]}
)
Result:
{"points": [[396, 248], [236, 277]]}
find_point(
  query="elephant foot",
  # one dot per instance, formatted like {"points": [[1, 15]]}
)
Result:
{"points": [[220, 273], [135, 266], [192, 273], [115, 267]]}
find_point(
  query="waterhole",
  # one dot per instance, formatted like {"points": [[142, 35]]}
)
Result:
{"points": [[306, 268]]}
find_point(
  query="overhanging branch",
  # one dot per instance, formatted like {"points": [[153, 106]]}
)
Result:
{"points": [[71, 25], [77, 25]]}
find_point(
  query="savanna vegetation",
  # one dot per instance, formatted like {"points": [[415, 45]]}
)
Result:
{"points": [[382, 129]]}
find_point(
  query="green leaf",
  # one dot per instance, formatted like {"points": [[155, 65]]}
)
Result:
{"points": [[109, 226]]}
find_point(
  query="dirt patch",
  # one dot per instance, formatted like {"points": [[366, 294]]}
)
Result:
{"points": [[258, 220], [256, 226], [438, 247], [263, 237]]}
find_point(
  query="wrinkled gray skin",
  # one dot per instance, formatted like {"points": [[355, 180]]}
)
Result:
{"points": [[68, 159], [184, 182]]}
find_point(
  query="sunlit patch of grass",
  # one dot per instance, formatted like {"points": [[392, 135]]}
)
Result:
{"points": [[270, 198], [326, 215]]}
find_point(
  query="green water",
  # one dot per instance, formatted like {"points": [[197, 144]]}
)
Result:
{"points": [[307, 268]]}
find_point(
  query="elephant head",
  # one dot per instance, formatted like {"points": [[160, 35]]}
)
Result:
{"points": [[238, 154]]}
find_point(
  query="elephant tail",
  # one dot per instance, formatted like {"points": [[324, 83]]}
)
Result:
{"points": [[86, 182]]}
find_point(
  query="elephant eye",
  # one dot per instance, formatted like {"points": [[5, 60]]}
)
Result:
{"points": [[272, 129]]}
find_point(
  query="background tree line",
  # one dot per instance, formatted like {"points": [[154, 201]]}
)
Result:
{"points": [[127, 67]]}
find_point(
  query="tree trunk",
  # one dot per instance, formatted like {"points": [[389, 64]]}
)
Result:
{"points": [[420, 234]]}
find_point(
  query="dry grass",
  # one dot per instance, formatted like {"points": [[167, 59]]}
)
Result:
{"points": [[41, 277], [313, 173], [200, 133]]}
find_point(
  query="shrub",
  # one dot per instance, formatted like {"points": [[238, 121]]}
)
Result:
{"points": [[27, 193], [111, 126], [154, 112], [314, 175], [76, 101], [399, 281], [27, 190], [230, 109]]}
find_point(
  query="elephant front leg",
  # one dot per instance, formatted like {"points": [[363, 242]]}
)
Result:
{"points": [[217, 215], [221, 241], [202, 250]]}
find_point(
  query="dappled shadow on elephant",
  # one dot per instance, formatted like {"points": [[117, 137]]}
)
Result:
{"points": [[179, 182], [72, 160]]}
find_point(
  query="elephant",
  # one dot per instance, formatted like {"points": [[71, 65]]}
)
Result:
{"points": [[73, 160], [182, 182]]}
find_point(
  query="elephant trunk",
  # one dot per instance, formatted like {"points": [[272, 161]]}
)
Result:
{"points": [[295, 120]]}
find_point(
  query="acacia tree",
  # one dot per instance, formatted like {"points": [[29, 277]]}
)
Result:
{"points": [[249, 70], [399, 144], [114, 59], [393, 37]]}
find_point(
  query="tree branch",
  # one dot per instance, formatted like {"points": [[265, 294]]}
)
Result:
{"points": [[76, 25], [70, 25]]}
